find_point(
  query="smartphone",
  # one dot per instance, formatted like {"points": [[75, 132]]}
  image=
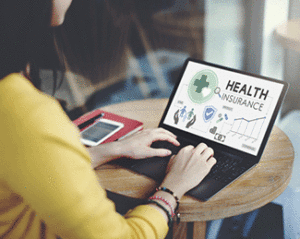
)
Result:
{"points": [[100, 131]]}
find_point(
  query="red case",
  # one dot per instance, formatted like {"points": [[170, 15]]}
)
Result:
{"points": [[130, 125]]}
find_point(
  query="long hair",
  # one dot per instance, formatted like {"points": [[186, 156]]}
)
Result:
{"points": [[94, 35], [25, 31], [90, 41]]}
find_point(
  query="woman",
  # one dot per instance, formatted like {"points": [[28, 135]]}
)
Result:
{"points": [[48, 188]]}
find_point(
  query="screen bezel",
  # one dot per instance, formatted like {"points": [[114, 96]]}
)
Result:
{"points": [[213, 144]]}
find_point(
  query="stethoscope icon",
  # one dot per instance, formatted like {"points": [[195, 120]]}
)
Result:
{"points": [[217, 91]]}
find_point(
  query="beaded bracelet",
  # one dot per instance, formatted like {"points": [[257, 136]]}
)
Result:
{"points": [[172, 193], [165, 201], [164, 209]]}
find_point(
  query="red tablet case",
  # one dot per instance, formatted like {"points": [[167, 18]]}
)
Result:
{"points": [[130, 125]]}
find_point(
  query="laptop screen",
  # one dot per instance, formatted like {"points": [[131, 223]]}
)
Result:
{"points": [[224, 106]]}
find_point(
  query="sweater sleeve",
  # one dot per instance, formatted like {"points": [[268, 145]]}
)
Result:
{"points": [[46, 164]]}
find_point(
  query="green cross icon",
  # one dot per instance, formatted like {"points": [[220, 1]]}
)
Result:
{"points": [[202, 83], [202, 86]]}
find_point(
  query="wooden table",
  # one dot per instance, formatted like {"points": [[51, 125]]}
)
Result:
{"points": [[253, 190]]}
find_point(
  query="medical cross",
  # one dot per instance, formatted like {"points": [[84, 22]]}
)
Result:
{"points": [[202, 83]]}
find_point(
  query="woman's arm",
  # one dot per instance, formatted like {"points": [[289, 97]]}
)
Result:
{"points": [[47, 166], [185, 171]]}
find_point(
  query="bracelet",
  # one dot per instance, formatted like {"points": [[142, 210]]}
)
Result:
{"points": [[166, 202], [172, 193], [164, 209]]}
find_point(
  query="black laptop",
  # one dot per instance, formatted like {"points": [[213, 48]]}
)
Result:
{"points": [[231, 111]]}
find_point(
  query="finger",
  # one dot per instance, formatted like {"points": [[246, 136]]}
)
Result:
{"points": [[173, 141], [166, 137], [160, 134], [200, 149], [186, 152], [207, 153], [211, 162], [166, 132], [188, 148], [158, 153]]}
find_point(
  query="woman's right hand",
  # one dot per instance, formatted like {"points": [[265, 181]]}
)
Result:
{"points": [[188, 168]]}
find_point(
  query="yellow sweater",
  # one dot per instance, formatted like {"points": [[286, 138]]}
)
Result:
{"points": [[47, 185]]}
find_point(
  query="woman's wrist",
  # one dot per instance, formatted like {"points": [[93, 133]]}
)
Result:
{"points": [[176, 188], [168, 197], [104, 153], [165, 203], [169, 192]]}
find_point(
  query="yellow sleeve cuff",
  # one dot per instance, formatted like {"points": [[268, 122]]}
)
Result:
{"points": [[154, 222]]}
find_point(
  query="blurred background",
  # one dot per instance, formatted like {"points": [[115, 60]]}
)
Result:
{"points": [[114, 51]]}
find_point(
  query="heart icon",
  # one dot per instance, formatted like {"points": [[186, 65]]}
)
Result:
{"points": [[205, 91]]}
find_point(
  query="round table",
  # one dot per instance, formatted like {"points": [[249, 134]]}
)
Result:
{"points": [[257, 187]]}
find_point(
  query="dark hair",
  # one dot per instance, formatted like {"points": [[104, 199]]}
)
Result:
{"points": [[91, 40], [94, 35], [25, 31]]}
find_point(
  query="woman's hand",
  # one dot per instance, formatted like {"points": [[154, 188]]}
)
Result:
{"points": [[136, 146], [188, 168]]}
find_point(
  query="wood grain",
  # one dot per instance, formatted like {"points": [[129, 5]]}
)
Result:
{"points": [[180, 231], [257, 187]]}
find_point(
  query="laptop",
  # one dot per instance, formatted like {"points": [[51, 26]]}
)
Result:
{"points": [[231, 111]]}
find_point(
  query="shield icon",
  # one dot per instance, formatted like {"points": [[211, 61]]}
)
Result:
{"points": [[209, 113]]}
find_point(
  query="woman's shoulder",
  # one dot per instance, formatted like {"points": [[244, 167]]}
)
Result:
{"points": [[23, 104], [17, 91], [27, 113], [19, 95]]}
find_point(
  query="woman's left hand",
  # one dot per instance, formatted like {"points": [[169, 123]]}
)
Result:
{"points": [[136, 146]]}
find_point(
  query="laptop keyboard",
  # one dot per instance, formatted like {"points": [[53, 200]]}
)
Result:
{"points": [[227, 168]]}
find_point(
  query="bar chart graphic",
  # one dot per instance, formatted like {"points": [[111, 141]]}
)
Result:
{"points": [[250, 129]]}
